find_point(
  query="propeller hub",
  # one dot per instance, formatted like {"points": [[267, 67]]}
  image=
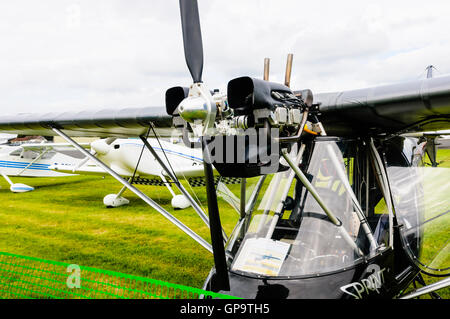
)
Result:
{"points": [[193, 109], [198, 108]]}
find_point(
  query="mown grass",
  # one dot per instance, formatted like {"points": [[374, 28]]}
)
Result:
{"points": [[65, 220]]}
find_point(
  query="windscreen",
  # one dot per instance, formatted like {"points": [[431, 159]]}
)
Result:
{"points": [[290, 233]]}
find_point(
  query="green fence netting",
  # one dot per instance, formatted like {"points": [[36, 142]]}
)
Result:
{"points": [[29, 277]]}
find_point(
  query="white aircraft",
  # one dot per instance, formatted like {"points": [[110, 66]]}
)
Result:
{"points": [[125, 156], [33, 160], [133, 161]]}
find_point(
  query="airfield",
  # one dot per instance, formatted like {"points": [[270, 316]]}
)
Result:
{"points": [[65, 220]]}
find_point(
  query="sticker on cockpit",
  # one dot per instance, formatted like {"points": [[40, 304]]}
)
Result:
{"points": [[261, 256]]}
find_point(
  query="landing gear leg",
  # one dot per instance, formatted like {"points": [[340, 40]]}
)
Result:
{"points": [[17, 187]]}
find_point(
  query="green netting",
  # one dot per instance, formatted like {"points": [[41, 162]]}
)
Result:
{"points": [[29, 277]]}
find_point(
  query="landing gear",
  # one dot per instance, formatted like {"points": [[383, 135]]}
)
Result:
{"points": [[17, 187], [113, 200]]}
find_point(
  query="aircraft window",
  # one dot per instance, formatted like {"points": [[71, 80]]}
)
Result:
{"points": [[304, 241], [422, 204], [48, 155], [30, 155], [16, 152]]}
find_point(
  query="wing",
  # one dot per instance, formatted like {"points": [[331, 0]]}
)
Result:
{"points": [[405, 107], [126, 122]]}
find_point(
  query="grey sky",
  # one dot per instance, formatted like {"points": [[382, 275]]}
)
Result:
{"points": [[59, 55]]}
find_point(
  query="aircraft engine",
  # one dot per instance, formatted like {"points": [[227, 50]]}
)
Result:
{"points": [[244, 128]]}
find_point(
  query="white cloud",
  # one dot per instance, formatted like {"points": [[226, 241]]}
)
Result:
{"points": [[58, 55]]}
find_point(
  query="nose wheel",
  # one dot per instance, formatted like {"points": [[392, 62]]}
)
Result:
{"points": [[180, 202], [113, 200]]}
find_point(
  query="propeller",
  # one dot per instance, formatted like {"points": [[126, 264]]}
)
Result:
{"points": [[198, 107], [192, 38]]}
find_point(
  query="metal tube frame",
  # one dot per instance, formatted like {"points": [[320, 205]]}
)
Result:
{"points": [[286, 189], [444, 283], [359, 212], [34, 161], [222, 281], [385, 189], [321, 203], [254, 196], [245, 220], [122, 190], [136, 191], [6, 178], [346, 184], [194, 204], [243, 197]]}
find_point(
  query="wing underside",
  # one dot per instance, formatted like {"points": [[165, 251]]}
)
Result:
{"points": [[405, 107], [126, 122]]}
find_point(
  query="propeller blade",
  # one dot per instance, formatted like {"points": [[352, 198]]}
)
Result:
{"points": [[192, 38]]}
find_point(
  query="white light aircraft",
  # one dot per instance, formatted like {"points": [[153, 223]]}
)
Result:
{"points": [[131, 160], [33, 160], [127, 156]]}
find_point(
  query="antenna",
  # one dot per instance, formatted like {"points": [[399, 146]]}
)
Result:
{"points": [[430, 71]]}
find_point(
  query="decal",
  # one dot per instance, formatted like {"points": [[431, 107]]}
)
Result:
{"points": [[373, 282]]}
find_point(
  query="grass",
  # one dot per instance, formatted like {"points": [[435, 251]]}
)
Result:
{"points": [[65, 220]]}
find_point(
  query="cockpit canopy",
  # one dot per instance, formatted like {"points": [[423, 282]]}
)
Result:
{"points": [[289, 234]]}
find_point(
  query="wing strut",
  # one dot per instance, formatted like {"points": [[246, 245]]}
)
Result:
{"points": [[136, 191], [444, 283], [172, 176], [34, 161], [16, 187], [321, 203]]}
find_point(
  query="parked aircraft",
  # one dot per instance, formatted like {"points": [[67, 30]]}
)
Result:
{"points": [[131, 160], [32, 160]]}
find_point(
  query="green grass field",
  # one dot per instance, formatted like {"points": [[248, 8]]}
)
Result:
{"points": [[65, 220]]}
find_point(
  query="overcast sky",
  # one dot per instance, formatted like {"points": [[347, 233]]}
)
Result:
{"points": [[61, 55]]}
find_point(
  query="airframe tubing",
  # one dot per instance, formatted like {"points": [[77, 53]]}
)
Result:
{"points": [[321, 203], [343, 178], [216, 231], [254, 196], [385, 189], [427, 289], [285, 193], [243, 195], [144, 197], [6, 178], [194, 204], [359, 212], [34, 161]]}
